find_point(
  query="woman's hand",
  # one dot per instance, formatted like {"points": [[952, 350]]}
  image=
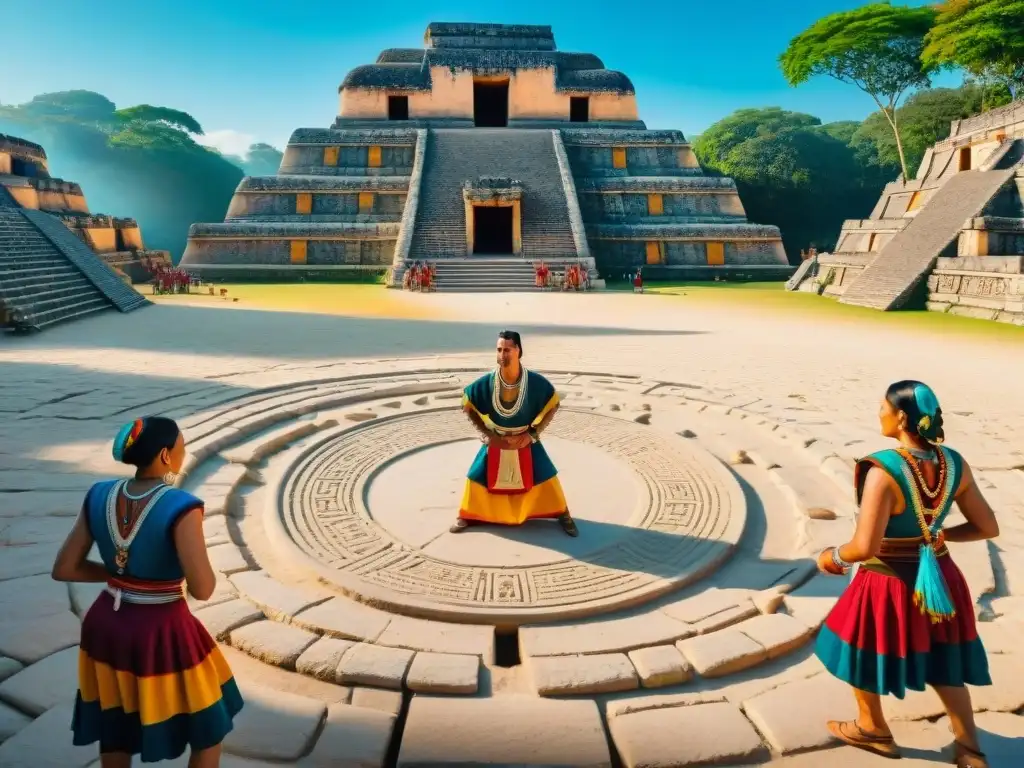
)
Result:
{"points": [[826, 564]]}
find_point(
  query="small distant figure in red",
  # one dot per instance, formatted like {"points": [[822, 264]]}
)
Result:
{"points": [[638, 282]]}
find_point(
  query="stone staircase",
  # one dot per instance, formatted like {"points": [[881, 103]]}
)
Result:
{"points": [[37, 281], [96, 271], [454, 156], [897, 270], [483, 275]]}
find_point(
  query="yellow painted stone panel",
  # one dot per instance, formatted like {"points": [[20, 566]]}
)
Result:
{"points": [[654, 252], [366, 202], [373, 157], [331, 155], [716, 254], [618, 157], [655, 205], [915, 202], [298, 251], [303, 203]]}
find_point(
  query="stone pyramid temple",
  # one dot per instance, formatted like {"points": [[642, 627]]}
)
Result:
{"points": [[951, 239], [484, 152], [58, 261]]}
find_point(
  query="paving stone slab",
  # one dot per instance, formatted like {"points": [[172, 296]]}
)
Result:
{"points": [[792, 717], [673, 737], [31, 597], [375, 665], [83, 596], [504, 732], [344, 618], [215, 530], [808, 491], [722, 653], [9, 667], [31, 560], [227, 559], [45, 684], [321, 659], [351, 738], [610, 636], [443, 673], [273, 642], [777, 633], [11, 721], [29, 640], [274, 725], [713, 609], [660, 665], [377, 698], [439, 637], [1006, 694], [246, 669], [278, 601], [223, 618], [595, 673], [46, 743]]}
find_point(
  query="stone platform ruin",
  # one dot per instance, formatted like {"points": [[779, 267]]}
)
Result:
{"points": [[952, 239], [58, 261], [484, 152]]}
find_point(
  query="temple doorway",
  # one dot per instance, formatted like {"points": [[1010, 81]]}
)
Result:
{"points": [[490, 104], [492, 230]]}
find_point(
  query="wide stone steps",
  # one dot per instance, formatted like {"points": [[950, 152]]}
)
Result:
{"points": [[455, 156], [96, 271], [485, 275], [37, 280], [890, 279]]}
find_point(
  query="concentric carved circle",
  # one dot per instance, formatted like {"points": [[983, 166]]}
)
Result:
{"points": [[688, 515]]}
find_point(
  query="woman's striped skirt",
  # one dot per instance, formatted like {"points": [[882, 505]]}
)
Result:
{"points": [[878, 641], [151, 682]]}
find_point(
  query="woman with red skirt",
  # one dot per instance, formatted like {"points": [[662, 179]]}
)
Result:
{"points": [[906, 620], [151, 680]]}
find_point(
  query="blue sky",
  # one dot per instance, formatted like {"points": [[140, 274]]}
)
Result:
{"points": [[254, 70]]}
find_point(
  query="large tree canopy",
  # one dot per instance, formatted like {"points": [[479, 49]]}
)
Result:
{"points": [[148, 114], [876, 48], [982, 37], [139, 162], [792, 172], [923, 120]]}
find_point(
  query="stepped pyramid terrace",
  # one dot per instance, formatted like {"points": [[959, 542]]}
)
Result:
{"points": [[484, 152], [951, 239], [58, 261]]}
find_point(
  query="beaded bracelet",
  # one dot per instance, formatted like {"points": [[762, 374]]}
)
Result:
{"points": [[838, 561]]}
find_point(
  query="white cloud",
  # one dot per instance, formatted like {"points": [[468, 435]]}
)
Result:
{"points": [[228, 142]]}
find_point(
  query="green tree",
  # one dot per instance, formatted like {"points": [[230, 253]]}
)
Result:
{"points": [[792, 171], [876, 47], [148, 114], [923, 119], [261, 160], [140, 162], [982, 37]]}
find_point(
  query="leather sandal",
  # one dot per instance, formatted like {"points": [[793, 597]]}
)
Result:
{"points": [[568, 525], [965, 757], [853, 735], [459, 525]]}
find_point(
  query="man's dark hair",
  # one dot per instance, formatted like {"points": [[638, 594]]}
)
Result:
{"points": [[512, 336]]}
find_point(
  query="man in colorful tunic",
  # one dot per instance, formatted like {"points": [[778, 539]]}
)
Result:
{"points": [[512, 478]]}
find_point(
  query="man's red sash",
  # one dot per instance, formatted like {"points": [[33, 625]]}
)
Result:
{"points": [[521, 470]]}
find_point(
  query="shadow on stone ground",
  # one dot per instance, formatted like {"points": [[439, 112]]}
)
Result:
{"points": [[296, 335]]}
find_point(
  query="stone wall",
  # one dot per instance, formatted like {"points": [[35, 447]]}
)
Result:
{"points": [[533, 93], [984, 287], [278, 251], [636, 207], [340, 206], [836, 272]]}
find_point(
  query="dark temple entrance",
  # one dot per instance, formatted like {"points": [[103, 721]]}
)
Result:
{"points": [[492, 230], [490, 104]]}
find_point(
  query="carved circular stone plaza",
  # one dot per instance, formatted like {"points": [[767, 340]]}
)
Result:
{"points": [[368, 509]]}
